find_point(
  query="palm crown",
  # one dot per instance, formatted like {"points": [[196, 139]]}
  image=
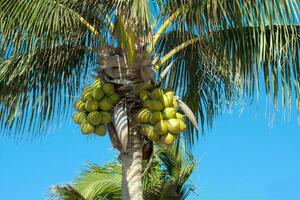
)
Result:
{"points": [[219, 49]]}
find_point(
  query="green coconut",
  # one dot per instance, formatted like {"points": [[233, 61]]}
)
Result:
{"points": [[108, 88], [79, 117], [87, 128], [91, 105], [147, 103], [165, 101], [94, 118], [144, 95], [79, 105], [174, 126], [146, 86], [106, 117], [155, 117], [105, 104], [168, 139], [161, 127], [114, 98], [179, 116], [98, 94], [157, 93], [143, 116], [169, 113], [100, 130], [155, 105], [87, 89], [97, 84], [148, 131], [182, 125], [86, 96]]}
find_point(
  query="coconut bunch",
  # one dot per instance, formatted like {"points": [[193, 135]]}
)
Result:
{"points": [[94, 107], [159, 118]]}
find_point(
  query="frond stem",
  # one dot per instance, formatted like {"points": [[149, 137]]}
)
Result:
{"points": [[177, 49]]}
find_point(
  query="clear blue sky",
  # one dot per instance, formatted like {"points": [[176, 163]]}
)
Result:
{"points": [[240, 158]]}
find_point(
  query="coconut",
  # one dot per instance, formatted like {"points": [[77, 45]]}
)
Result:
{"points": [[147, 103], [169, 113], [108, 88], [165, 101], [155, 117], [168, 139], [87, 128], [86, 96], [114, 98], [175, 104], [91, 105], [148, 130], [79, 105], [143, 116], [100, 130], [182, 125], [79, 117], [157, 93], [105, 104], [144, 95], [179, 116], [145, 129], [146, 86], [97, 84], [106, 117], [174, 126], [155, 105], [98, 94], [170, 94], [161, 127], [87, 89], [94, 118]]}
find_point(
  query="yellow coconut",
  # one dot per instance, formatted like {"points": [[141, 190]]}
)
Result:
{"points": [[79, 105], [100, 130], [98, 94], [165, 101], [91, 105], [161, 127], [155, 105], [143, 116], [175, 104], [106, 117], [97, 84], [87, 128], [144, 95], [145, 128], [155, 117], [94, 118], [169, 113], [157, 93], [148, 131], [105, 104], [108, 88], [174, 126], [114, 98], [168, 139], [169, 93], [86, 96], [179, 116], [79, 117], [182, 125]]}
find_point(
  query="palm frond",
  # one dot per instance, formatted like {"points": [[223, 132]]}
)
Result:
{"points": [[32, 84]]}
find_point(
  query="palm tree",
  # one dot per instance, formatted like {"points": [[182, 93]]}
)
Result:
{"points": [[217, 51], [165, 179]]}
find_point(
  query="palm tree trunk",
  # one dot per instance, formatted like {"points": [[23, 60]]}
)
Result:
{"points": [[132, 188]]}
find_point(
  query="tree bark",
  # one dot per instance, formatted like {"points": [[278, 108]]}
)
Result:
{"points": [[132, 188]]}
